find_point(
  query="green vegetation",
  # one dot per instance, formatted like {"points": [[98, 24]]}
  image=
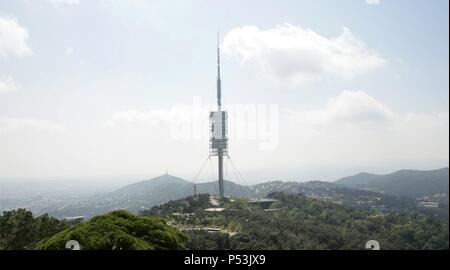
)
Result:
{"points": [[20, 230], [119, 230], [298, 222], [187, 205], [291, 222]]}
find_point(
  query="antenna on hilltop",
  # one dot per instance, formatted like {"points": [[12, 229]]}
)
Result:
{"points": [[218, 127], [218, 140]]}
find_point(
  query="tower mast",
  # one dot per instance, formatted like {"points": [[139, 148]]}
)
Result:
{"points": [[219, 109], [219, 82], [218, 141]]}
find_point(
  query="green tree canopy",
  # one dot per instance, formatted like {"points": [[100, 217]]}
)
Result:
{"points": [[119, 230], [20, 230]]}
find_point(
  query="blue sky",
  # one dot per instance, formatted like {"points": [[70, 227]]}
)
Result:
{"points": [[86, 62]]}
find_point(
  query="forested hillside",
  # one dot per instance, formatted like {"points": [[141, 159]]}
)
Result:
{"points": [[298, 222], [287, 221]]}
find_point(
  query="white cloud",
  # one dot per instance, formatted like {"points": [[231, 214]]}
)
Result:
{"points": [[158, 117], [355, 128], [7, 85], [247, 122], [349, 107], [13, 38], [65, 2], [298, 54], [359, 129], [180, 122], [373, 2]]}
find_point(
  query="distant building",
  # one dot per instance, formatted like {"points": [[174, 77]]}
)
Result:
{"points": [[207, 229], [273, 209], [262, 202], [214, 209], [184, 215], [74, 218], [428, 204]]}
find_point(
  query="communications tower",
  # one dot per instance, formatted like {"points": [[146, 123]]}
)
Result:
{"points": [[218, 142]]}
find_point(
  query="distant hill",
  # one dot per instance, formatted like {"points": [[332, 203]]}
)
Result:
{"points": [[167, 187], [409, 183], [146, 194], [155, 190]]}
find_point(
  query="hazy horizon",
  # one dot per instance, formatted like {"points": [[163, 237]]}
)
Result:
{"points": [[119, 181]]}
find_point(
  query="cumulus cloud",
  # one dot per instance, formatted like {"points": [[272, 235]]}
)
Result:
{"points": [[373, 2], [157, 117], [180, 122], [356, 114], [348, 107], [298, 54], [7, 85], [256, 122], [355, 128], [13, 38]]}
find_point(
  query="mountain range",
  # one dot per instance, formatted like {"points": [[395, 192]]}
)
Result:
{"points": [[409, 183], [399, 190]]}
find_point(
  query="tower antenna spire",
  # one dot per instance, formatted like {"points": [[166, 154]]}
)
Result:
{"points": [[219, 82]]}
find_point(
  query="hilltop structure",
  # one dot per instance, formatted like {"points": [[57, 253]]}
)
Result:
{"points": [[218, 143]]}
